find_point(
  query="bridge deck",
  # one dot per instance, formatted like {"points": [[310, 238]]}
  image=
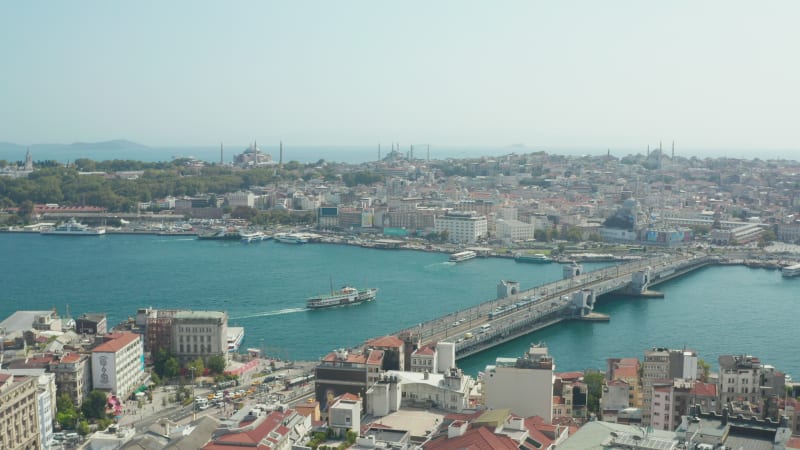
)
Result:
{"points": [[493, 322]]}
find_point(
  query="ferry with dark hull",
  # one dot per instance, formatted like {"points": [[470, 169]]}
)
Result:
{"points": [[537, 258], [229, 234], [345, 296]]}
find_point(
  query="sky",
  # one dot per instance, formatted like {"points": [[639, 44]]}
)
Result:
{"points": [[709, 75]]}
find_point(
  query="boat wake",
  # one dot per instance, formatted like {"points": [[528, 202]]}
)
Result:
{"points": [[440, 265], [271, 313]]}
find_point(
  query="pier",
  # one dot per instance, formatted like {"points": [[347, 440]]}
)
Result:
{"points": [[516, 312]]}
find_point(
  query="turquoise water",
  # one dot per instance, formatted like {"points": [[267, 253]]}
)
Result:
{"points": [[263, 287]]}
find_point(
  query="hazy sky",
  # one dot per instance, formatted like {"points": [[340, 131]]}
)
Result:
{"points": [[557, 74]]}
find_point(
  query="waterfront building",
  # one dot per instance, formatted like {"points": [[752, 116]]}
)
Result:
{"points": [[199, 334], [510, 230], [395, 351], [525, 385], [739, 380], [157, 324], [19, 418], [737, 236], [118, 364], [240, 198], [72, 376], [91, 324], [465, 227]]}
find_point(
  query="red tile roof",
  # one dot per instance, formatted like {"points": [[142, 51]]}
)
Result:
{"points": [[424, 351], [71, 358], [474, 439], [116, 342], [375, 357], [704, 389], [626, 372], [251, 438], [569, 375], [386, 341]]}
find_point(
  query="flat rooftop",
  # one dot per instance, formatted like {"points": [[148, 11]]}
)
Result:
{"points": [[419, 422]]}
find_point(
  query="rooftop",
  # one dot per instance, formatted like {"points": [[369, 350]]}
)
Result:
{"points": [[201, 315], [116, 342]]}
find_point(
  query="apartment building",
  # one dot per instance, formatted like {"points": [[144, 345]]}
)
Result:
{"points": [[118, 364], [19, 416], [462, 227], [524, 385], [199, 334]]}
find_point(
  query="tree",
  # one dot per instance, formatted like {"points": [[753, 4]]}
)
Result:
{"points": [[197, 365], [171, 367], [594, 383], [94, 406], [216, 364], [66, 415], [702, 364], [83, 428]]}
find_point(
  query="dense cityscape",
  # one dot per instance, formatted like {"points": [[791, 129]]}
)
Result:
{"points": [[74, 380]]}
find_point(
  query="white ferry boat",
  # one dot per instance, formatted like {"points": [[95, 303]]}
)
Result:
{"points": [[74, 228], [463, 256], [235, 337], [345, 296], [791, 271]]}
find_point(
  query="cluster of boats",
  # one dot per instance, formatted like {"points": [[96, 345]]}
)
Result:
{"points": [[236, 234]]}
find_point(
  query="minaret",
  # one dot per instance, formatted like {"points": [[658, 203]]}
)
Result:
{"points": [[429, 153], [221, 158], [280, 158], [673, 149], [412, 153], [379, 152], [28, 160], [648, 150], [255, 150]]}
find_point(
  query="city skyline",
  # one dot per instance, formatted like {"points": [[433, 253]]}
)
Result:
{"points": [[714, 77]]}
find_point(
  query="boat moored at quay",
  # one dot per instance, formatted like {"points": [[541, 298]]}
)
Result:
{"points": [[537, 258], [73, 228], [225, 234], [463, 256], [347, 295], [791, 271], [291, 238]]}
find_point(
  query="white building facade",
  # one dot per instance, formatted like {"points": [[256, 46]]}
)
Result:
{"points": [[199, 334], [118, 364], [462, 227], [514, 230], [524, 385]]}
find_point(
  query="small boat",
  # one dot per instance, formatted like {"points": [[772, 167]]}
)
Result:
{"points": [[73, 228], [463, 256], [537, 258], [791, 271], [347, 295]]}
